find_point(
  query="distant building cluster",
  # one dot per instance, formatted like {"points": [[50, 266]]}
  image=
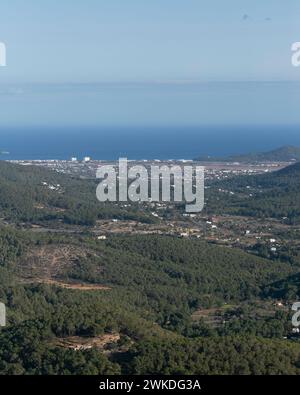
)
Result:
{"points": [[86, 159]]}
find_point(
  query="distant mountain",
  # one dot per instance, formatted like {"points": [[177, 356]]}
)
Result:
{"points": [[287, 153]]}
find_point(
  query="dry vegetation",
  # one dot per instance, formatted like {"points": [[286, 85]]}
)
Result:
{"points": [[78, 343], [48, 264]]}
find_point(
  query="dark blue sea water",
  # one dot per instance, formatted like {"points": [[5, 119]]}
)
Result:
{"points": [[147, 121], [144, 143]]}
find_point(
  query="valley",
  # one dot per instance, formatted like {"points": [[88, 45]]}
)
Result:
{"points": [[105, 283]]}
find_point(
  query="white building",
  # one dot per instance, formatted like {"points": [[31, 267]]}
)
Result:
{"points": [[184, 235]]}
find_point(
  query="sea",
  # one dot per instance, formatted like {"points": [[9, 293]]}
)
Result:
{"points": [[147, 121], [143, 143]]}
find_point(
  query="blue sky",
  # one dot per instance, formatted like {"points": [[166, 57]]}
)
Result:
{"points": [[171, 45], [160, 40]]}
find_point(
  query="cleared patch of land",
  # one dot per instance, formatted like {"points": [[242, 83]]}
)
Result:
{"points": [[49, 265], [86, 343], [215, 317], [51, 261], [69, 285]]}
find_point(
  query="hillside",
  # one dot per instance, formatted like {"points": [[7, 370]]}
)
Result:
{"points": [[141, 293], [161, 275], [283, 154], [275, 194], [153, 284], [35, 194]]}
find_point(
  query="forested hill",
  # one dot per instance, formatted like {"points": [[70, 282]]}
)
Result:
{"points": [[287, 153], [160, 304], [274, 194], [293, 170], [286, 177], [36, 194], [155, 284], [287, 289]]}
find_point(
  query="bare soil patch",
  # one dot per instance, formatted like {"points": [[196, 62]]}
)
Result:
{"points": [[86, 343], [49, 265]]}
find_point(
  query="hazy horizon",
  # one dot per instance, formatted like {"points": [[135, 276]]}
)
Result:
{"points": [[161, 65], [152, 104]]}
